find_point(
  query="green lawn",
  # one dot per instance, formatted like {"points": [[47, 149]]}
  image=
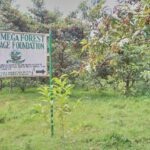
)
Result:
{"points": [[102, 121]]}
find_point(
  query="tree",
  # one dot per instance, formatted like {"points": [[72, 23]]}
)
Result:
{"points": [[66, 39], [73, 14], [83, 9], [42, 15], [14, 19], [121, 40]]}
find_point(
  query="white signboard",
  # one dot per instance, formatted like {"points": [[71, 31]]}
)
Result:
{"points": [[23, 54]]}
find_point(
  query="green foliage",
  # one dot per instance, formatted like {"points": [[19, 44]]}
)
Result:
{"points": [[94, 12], [83, 8], [60, 94], [21, 83], [144, 87], [115, 52], [42, 15], [120, 42], [14, 19], [116, 141]]}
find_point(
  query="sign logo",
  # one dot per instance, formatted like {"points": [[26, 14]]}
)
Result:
{"points": [[15, 57]]}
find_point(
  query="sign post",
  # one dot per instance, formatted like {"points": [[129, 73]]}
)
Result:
{"points": [[51, 85], [25, 55]]}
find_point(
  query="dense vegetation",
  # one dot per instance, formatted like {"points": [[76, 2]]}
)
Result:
{"points": [[104, 48], [101, 84]]}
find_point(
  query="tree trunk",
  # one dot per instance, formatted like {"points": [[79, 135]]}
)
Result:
{"points": [[127, 86]]}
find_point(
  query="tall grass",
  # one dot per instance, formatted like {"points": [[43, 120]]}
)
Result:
{"points": [[103, 120]]}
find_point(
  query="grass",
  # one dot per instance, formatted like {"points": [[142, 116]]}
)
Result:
{"points": [[102, 121]]}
